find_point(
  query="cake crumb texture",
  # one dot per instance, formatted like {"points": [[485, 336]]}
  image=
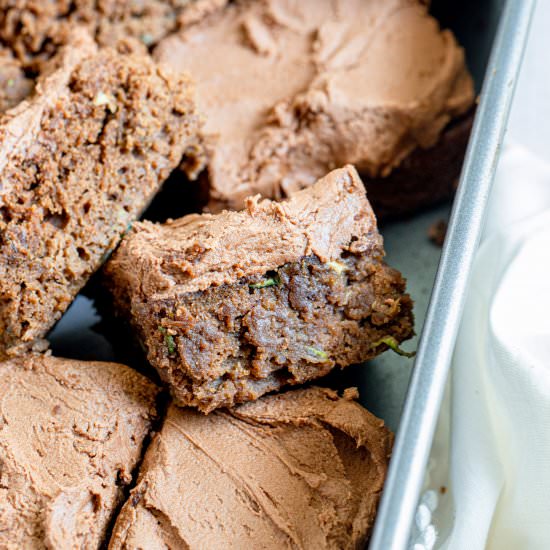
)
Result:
{"points": [[79, 161], [34, 28], [14, 84]]}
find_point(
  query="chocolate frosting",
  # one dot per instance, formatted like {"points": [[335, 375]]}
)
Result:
{"points": [[302, 469], [70, 435], [219, 249], [291, 90]]}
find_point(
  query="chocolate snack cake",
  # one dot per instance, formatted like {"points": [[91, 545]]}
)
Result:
{"points": [[303, 469], [71, 434], [79, 161], [32, 28], [229, 307], [291, 90]]}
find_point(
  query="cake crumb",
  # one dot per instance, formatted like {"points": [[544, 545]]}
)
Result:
{"points": [[437, 232], [351, 394]]}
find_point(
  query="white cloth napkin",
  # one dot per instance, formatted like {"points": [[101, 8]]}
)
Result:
{"points": [[489, 475], [500, 420]]}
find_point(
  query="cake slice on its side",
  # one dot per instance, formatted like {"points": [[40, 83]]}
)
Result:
{"points": [[302, 469], [232, 306], [71, 434], [79, 161]]}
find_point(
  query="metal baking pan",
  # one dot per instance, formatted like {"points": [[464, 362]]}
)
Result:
{"points": [[501, 28], [408, 398]]}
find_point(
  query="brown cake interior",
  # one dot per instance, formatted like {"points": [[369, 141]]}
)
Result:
{"points": [[234, 342], [33, 28]]}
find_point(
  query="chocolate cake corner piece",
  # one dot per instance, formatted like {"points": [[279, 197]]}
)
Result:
{"points": [[234, 305], [300, 469], [79, 161], [71, 435]]}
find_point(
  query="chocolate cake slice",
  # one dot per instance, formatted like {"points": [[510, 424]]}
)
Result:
{"points": [[71, 434], [232, 306], [291, 90], [79, 161], [302, 469]]}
